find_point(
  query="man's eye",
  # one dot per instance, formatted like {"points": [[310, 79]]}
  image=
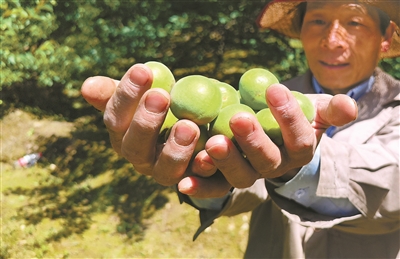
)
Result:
{"points": [[354, 23], [319, 22]]}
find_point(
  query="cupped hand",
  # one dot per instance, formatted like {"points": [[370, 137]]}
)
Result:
{"points": [[259, 157], [133, 115]]}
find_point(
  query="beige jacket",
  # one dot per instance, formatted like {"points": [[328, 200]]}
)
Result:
{"points": [[361, 163]]}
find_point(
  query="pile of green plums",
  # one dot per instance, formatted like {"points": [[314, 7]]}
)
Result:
{"points": [[211, 103]]}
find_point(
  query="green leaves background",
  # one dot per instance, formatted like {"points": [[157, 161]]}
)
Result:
{"points": [[63, 42]]}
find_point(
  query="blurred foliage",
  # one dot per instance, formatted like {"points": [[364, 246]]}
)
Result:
{"points": [[50, 43], [60, 43], [392, 66], [28, 50]]}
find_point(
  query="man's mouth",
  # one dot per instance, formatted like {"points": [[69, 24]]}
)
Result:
{"points": [[333, 64]]}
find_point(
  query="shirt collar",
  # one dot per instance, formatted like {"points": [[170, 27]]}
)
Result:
{"points": [[354, 93]]}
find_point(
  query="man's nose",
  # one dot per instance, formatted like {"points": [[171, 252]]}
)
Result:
{"points": [[335, 36]]}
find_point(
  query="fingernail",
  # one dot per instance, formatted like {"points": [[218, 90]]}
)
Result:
{"points": [[277, 95], [242, 126], [185, 186], [218, 152], [207, 164], [156, 102], [138, 76], [184, 134]]}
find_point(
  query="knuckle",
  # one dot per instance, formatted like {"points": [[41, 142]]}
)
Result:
{"points": [[108, 119], [306, 144], [148, 125], [165, 180], [304, 152], [243, 182], [112, 124], [144, 169], [127, 92], [135, 159], [303, 143]]}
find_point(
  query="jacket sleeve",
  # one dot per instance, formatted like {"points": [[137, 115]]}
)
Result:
{"points": [[239, 201], [363, 168], [366, 173]]}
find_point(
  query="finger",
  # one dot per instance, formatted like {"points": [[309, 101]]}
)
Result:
{"points": [[298, 135], [122, 105], [264, 156], [337, 110], [98, 90], [331, 110], [227, 158], [212, 187], [203, 165], [139, 143], [176, 155]]}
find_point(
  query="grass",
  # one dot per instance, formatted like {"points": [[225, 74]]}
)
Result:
{"points": [[82, 201], [168, 232]]}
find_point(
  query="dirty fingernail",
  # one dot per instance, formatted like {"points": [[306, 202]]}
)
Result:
{"points": [[184, 134], [156, 102], [139, 76], [277, 95], [242, 126]]}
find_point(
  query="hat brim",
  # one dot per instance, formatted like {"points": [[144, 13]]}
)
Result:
{"points": [[280, 16]]}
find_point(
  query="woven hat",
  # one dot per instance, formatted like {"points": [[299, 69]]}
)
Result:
{"points": [[281, 16]]}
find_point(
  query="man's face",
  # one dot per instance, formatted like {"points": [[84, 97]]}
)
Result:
{"points": [[342, 42]]}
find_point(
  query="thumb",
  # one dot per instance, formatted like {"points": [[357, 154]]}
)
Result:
{"points": [[337, 110], [98, 90]]}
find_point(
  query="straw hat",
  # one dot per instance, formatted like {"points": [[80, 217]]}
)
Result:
{"points": [[281, 15]]}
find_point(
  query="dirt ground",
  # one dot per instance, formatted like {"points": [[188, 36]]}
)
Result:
{"points": [[83, 201], [21, 134]]}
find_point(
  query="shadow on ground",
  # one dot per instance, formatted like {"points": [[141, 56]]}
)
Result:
{"points": [[89, 178]]}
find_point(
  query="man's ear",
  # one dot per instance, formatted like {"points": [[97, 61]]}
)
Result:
{"points": [[387, 38]]}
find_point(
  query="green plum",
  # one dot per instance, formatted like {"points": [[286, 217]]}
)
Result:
{"points": [[221, 124], [252, 86], [162, 76], [196, 98], [270, 125]]}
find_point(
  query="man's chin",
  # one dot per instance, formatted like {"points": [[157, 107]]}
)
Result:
{"points": [[335, 85]]}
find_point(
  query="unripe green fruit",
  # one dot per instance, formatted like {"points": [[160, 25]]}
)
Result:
{"points": [[166, 127], [162, 76], [229, 94], [305, 104], [270, 125], [201, 143], [169, 121], [221, 124], [196, 98], [253, 85]]}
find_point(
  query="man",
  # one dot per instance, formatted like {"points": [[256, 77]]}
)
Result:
{"points": [[321, 195]]}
